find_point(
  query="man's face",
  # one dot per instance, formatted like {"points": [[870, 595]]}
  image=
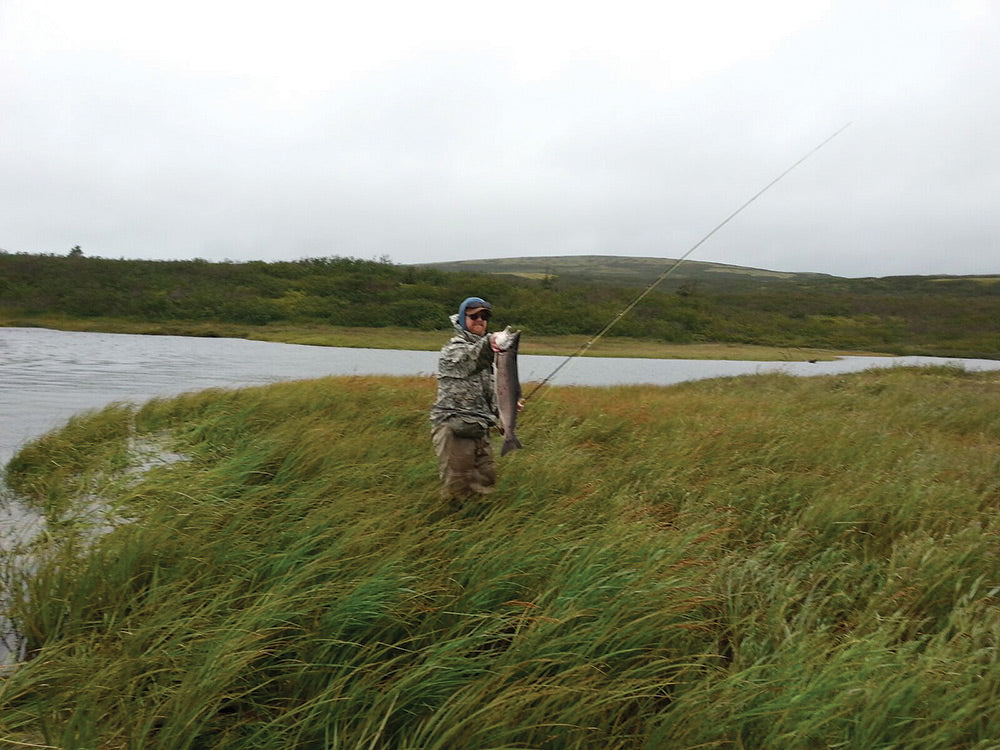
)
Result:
{"points": [[476, 320]]}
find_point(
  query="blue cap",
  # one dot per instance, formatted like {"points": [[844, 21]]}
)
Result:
{"points": [[475, 303]]}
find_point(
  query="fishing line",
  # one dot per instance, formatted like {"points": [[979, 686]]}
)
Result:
{"points": [[680, 260]]}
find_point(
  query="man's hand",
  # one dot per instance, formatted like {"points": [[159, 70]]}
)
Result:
{"points": [[501, 341]]}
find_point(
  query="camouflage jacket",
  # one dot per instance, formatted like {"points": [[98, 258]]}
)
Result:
{"points": [[465, 380]]}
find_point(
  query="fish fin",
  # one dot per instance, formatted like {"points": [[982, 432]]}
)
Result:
{"points": [[510, 444]]}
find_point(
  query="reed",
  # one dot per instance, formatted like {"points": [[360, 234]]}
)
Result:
{"points": [[764, 561]]}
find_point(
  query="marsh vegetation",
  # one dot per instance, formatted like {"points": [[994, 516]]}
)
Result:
{"points": [[761, 561]]}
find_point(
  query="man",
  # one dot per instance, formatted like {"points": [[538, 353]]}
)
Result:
{"points": [[466, 409]]}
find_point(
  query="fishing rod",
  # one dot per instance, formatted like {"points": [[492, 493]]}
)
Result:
{"points": [[680, 260]]}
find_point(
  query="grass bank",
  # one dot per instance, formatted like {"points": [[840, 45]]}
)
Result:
{"points": [[764, 561], [417, 340]]}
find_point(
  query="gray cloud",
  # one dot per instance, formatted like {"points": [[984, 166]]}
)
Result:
{"points": [[446, 152]]}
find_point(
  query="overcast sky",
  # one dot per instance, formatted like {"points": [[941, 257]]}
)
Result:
{"points": [[431, 131]]}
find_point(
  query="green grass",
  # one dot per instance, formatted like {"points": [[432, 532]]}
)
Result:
{"points": [[753, 562]]}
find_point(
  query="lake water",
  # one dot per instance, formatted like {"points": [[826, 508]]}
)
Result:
{"points": [[48, 376]]}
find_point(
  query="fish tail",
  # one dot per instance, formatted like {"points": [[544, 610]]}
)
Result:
{"points": [[510, 443]]}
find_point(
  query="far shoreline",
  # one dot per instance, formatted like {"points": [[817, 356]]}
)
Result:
{"points": [[421, 340]]}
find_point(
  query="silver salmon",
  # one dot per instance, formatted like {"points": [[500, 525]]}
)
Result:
{"points": [[508, 394]]}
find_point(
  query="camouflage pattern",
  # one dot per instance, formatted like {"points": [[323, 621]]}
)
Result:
{"points": [[466, 391], [465, 465], [466, 386]]}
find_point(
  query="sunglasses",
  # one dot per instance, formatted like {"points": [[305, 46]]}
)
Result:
{"points": [[481, 315]]}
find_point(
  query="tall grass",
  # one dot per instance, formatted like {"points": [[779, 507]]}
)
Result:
{"points": [[751, 562]]}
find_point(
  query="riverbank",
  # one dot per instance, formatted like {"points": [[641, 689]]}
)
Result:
{"points": [[417, 340], [763, 561]]}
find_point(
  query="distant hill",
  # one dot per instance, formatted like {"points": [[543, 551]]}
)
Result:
{"points": [[700, 302], [622, 271]]}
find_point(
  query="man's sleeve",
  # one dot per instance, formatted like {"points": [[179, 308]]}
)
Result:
{"points": [[459, 360]]}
